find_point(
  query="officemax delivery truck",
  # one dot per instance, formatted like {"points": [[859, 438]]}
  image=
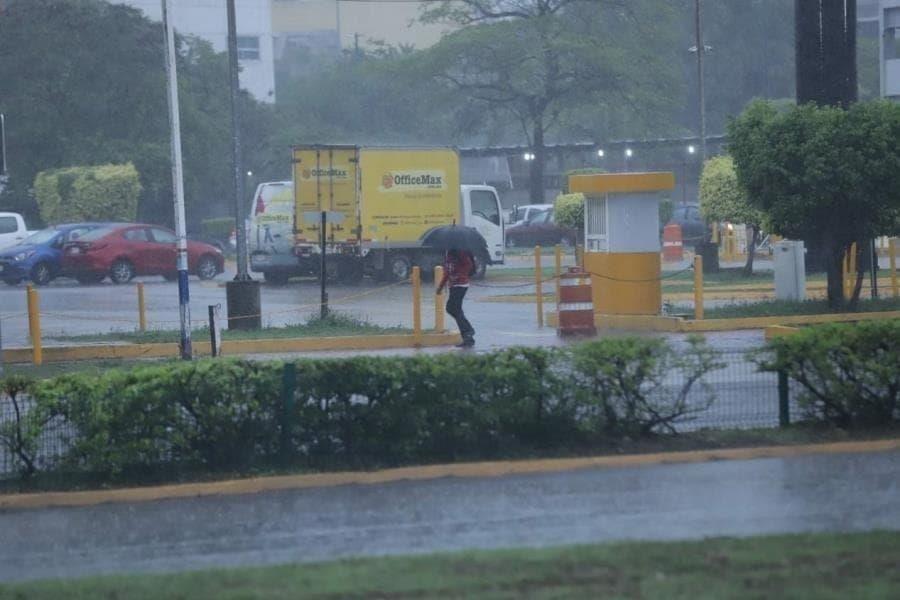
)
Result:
{"points": [[380, 203]]}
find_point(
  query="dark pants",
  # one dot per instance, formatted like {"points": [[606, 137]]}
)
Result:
{"points": [[454, 309]]}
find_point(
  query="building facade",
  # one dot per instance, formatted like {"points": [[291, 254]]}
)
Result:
{"points": [[207, 19]]}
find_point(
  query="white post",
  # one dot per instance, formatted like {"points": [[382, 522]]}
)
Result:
{"points": [[184, 307]]}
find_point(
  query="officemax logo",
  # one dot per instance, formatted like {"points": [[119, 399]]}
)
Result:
{"points": [[405, 181], [333, 173]]}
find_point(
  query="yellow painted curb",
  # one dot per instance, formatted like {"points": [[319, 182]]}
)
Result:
{"points": [[232, 347], [679, 325], [483, 469]]}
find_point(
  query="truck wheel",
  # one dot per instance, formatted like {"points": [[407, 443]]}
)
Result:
{"points": [[350, 272], [275, 277], [397, 267]]}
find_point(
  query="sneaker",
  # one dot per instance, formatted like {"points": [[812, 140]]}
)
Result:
{"points": [[468, 342]]}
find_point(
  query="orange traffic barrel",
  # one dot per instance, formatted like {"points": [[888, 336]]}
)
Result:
{"points": [[576, 303], [673, 243]]}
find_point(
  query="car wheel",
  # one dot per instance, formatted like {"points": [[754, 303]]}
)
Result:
{"points": [[398, 267], [275, 277], [12, 281], [89, 279], [207, 268], [41, 274], [122, 271]]}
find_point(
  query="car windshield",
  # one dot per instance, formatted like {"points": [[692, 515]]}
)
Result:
{"points": [[96, 234], [538, 217], [42, 237]]}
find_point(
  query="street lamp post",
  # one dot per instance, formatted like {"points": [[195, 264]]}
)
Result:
{"points": [[691, 150], [628, 154], [184, 297], [700, 49]]}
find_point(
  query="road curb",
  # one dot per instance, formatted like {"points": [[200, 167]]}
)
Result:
{"points": [[467, 470]]}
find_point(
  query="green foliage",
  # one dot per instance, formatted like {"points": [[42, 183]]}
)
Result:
{"points": [[100, 193], [722, 198], [568, 210], [848, 372], [666, 210], [370, 411], [218, 229], [822, 174], [19, 435]]}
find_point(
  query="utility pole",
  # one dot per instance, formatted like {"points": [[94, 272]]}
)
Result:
{"points": [[242, 294], [701, 49], [184, 297]]}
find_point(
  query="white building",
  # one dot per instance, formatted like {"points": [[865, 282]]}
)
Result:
{"points": [[207, 19], [889, 29]]}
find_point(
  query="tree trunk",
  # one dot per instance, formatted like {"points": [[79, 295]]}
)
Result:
{"points": [[751, 250], [536, 174], [834, 268]]}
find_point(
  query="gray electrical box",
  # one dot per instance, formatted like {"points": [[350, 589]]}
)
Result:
{"points": [[790, 271]]}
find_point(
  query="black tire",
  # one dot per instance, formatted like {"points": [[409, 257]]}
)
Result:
{"points": [[121, 271], [350, 272], [89, 278], [12, 281], [207, 267], [276, 277], [41, 274], [397, 267]]}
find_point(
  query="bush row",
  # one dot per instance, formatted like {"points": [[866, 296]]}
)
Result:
{"points": [[362, 411]]}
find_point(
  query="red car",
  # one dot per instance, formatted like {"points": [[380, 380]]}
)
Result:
{"points": [[124, 250]]}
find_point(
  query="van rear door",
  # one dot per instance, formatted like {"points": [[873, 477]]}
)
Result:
{"points": [[272, 218]]}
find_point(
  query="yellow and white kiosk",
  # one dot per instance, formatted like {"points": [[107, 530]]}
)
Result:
{"points": [[622, 247]]}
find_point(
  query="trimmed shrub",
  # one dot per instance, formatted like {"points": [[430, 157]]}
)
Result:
{"points": [[371, 411], [569, 211], [849, 373], [99, 193], [219, 228]]}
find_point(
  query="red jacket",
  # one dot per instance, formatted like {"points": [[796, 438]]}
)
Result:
{"points": [[457, 270]]}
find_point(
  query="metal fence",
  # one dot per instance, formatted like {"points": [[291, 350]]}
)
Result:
{"points": [[736, 396]]}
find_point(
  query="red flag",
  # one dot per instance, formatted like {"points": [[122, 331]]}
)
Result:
{"points": [[260, 205]]}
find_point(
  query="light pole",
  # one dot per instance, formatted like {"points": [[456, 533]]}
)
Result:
{"points": [[628, 154], [184, 297], [700, 49], [691, 150]]}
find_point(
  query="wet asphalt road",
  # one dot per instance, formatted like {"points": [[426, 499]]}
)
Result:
{"points": [[850, 492]]}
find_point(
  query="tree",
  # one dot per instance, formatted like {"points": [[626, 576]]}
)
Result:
{"points": [[822, 174], [723, 199], [82, 82], [541, 61]]}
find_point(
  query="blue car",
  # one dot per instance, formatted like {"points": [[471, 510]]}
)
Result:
{"points": [[38, 256]]}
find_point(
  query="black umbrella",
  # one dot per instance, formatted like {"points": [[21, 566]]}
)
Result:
{"points": [[456, 237]]}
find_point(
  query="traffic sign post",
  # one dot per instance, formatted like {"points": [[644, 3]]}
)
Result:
{"points": [[324, 217]]}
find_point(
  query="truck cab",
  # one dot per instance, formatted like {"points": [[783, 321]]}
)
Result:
{"points": [[481, 210], [12, 229]]}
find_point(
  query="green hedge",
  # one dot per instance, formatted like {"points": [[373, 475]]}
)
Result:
{"points": [[849, 374], [98, 193], [569, 211], [219, 228], [363, 411]]}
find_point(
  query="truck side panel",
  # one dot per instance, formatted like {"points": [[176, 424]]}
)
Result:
{"points": [[325, 178], [404, 193]]}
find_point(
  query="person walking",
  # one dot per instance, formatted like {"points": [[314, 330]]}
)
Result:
{"points": [[458, 266]]}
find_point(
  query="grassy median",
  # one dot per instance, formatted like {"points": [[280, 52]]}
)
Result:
{"points": [[818, 566]]}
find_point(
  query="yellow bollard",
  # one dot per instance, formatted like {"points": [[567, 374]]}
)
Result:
{"points": [[539, 289], [558, 275], [698, 287], [34, 326], [142, 312], [438, 301], [417, 305], [892, 250]]}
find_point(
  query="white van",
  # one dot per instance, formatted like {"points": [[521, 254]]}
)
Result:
{"points": [[270, 231], [12, 229]]}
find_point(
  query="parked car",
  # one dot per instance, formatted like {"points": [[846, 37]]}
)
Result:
{"points": [[521, 214], [12, 229], [39, 256], [124, 250], [540, 228], [693, 228]]}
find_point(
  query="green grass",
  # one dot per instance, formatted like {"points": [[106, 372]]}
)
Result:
{"points": [[335, 324], [781, 308], [813, 566]]}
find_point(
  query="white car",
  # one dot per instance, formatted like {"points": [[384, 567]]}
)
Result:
{"points": [[12, 229], [522, 213]]}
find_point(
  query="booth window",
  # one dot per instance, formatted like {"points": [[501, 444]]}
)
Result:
{"points": [[248, 47]]}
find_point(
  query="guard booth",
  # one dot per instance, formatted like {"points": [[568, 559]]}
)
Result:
{"points": [[622, 247]]}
